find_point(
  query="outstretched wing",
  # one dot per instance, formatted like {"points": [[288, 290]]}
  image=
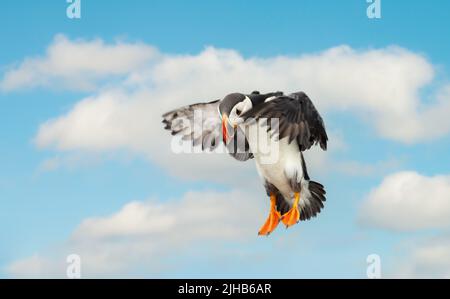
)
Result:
{"points": [[201, 123], [298, 119]]}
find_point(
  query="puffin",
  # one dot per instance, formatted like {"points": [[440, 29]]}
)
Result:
{"points": [[273, 129]]}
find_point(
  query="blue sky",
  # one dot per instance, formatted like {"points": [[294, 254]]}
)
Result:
{"points": [[42, 207]]}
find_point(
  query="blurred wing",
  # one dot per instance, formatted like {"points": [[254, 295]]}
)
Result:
{"points": [[298, 119], [199, 123]]}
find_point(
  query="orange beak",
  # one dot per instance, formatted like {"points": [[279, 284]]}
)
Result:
{"points": [[224, 128]]}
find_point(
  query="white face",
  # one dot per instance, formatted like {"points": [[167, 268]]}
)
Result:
{"points": [[238, 110]]}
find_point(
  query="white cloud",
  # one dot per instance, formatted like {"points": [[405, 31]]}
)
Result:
{"points": [[428, 258], [77, 64], [79, 160], [408, 201], [384, 84], [149, 234], [117, 120], [36, 267]]}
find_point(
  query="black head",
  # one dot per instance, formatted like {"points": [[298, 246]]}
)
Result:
{"points": [[225, 108], [227, 104]]}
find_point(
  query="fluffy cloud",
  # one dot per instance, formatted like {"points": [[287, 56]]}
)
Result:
{"points": [[77, 64], [408, 201], [149, 234], [37, 267], [383, 83], [429, 258]]}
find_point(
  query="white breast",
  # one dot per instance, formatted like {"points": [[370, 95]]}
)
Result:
{"points": [[277, 161]]}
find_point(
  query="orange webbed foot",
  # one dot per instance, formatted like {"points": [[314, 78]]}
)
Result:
{"points": [[272, 220], [293, 215]]}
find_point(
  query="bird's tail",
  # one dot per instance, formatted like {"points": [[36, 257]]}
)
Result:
{"points": [[312, 197]]}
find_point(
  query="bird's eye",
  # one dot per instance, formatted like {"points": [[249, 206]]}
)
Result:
{"points": [[238, 111]]}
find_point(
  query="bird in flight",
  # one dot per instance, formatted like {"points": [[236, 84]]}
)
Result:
{"points": [[273, 129]]}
